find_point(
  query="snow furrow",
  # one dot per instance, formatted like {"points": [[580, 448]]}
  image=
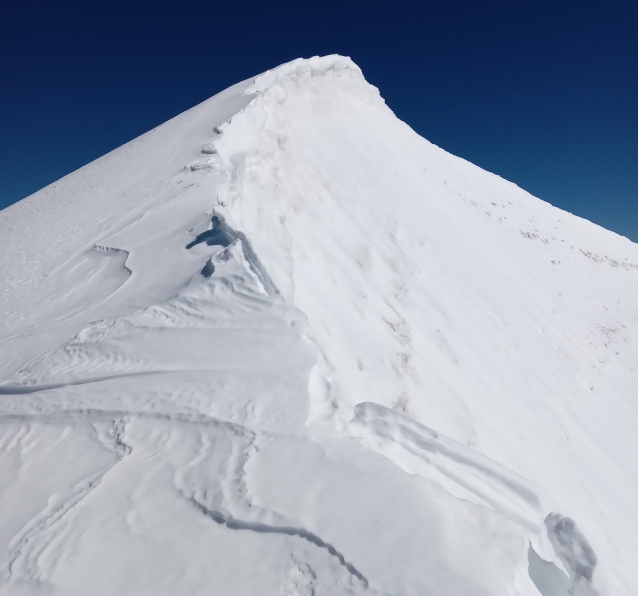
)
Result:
{"points": [[237, 524], [29, 544]]}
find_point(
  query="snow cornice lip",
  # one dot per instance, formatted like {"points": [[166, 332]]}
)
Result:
{"points": [[304, 67]]}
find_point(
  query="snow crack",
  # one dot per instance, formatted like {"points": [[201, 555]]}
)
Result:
{"points": [[237, 524]]}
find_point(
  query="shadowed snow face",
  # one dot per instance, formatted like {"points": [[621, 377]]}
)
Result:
{"points": [[218, 235], [547, 577], [221, 234], [576, 554], [574, 551]]}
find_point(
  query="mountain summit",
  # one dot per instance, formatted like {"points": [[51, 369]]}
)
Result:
{"points": [[282, 345]]}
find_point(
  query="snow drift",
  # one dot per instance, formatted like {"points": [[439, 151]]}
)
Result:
{"points": [[283, 345]]}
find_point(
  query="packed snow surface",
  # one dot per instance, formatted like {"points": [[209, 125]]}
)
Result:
{"points": [[282, 345]]}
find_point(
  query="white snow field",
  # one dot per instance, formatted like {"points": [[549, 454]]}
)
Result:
{"points": [[282, 345]]}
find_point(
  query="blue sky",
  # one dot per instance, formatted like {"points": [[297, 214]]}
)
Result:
{"points": [[543, 93]]}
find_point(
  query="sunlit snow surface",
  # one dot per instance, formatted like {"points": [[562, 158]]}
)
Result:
{"points": [[282, 345]]}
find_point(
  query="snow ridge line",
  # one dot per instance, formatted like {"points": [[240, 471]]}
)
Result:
{"points": [[112, 415], [27, 389], [38, 525], [35, 530]]}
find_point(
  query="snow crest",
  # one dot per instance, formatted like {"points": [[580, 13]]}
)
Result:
{"points": [[300, 70], [283, 345]]}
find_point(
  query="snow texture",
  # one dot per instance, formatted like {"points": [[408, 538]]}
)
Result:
{"points": [[283, 345]]}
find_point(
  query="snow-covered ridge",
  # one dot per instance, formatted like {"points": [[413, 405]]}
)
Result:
{"points": [[301, 69], [284, 329]]}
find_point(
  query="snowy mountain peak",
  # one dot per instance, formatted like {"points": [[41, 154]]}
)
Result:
{"points": [[300, 69], [282, 344]]}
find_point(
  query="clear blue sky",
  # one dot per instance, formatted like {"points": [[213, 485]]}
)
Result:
{"points": [[543, 93]]}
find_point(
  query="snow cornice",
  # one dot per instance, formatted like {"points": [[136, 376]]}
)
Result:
{"points": [[303, 68]]}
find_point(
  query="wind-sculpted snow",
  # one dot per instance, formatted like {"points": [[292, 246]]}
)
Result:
{"points": [[456, 468], [283, 345], [207, 431], [446, 293], [218, 420]]}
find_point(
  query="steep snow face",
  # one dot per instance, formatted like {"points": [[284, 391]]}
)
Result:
{"points": [[447, 293], [282, 344]]}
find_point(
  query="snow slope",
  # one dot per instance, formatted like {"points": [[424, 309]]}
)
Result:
{"points": [[283, 345]]}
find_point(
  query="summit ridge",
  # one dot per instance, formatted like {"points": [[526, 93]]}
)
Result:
{"points": [[282, 344]]}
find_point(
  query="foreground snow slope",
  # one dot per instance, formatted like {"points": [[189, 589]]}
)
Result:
{"points": [[283, 345]]}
